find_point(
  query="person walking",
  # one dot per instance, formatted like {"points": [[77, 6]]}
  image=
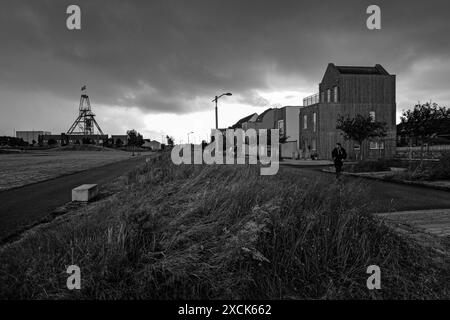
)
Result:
{"points": [[339, 155]]}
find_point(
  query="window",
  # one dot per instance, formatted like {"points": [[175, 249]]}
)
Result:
{"points": [[305, 122], [372, 115], [281, 127], [314, 121], [313, 144], [328, 95], [374, 145], [335, 94], [322, 96]]}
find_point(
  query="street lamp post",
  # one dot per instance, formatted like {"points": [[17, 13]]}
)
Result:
{"points": [[215, 100], [189, 134]]}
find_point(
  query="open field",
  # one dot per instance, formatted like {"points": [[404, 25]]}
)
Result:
{"points": [[211, 232], [30, 204], [33, 166]]}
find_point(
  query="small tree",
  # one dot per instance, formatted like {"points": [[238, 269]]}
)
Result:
{"points": [[108, 142], [360, 129], [170, 141], [423, 122], [134, 139], [119, 143]]}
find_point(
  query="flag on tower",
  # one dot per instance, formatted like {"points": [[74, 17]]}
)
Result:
{"points": [[83, 88]]}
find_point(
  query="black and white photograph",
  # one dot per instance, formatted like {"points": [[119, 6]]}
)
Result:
{"points": [[194, 152]]}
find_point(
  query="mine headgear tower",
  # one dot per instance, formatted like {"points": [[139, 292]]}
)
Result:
{"points": [[85, 124]]}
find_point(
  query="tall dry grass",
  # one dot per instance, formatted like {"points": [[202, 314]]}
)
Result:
{"points": [[223, 232]]}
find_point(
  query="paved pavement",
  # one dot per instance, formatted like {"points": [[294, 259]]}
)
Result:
{"points": [[382, 175], [28, 204], [308, 163], [434, 221]]}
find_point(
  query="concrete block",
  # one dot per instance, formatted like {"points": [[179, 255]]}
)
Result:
{"points": [[85, 192]]}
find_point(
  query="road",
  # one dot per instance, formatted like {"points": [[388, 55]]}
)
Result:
{"points": [[388, 196], [28, 204]]}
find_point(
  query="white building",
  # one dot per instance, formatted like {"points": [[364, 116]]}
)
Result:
{"points": [[152, 144], [29, 136]]}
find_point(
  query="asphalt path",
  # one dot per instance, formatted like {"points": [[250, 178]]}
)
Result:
{"points": [[25, 205]]}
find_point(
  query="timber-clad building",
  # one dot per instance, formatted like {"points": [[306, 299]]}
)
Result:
{"points": [[348, 90]]}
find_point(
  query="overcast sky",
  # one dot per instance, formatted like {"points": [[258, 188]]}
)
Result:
{"points": [[156, 65]]}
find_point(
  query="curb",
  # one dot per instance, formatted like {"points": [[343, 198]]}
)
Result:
{"points": [[406, 182]]}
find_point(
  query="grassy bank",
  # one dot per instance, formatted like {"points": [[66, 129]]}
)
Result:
{"points": [[222, 232]]}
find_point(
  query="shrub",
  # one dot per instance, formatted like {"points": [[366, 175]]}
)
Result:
{"points": [[428, 170], [368, 166], [441, 170]]}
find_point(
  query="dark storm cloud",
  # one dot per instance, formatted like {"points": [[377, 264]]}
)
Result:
{"points": [[174, 56]]}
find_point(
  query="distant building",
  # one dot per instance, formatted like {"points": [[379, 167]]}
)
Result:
{"points": [[348, 91], [29, 136], [244, 122], [265, 120], [121, 138], [284, 119], [152, 144], [65, 139], [286, 122]]}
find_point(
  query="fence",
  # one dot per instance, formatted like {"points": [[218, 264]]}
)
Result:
{"points": [[429, 152], [310, 100], [441, 147]]}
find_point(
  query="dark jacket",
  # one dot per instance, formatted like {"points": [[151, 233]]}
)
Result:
{"points": [[337, 156]]}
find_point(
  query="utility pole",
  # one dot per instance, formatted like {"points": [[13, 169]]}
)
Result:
{"points": [[217, 117]]}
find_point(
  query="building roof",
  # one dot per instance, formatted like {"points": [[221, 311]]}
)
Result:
{"points": [[243, 120], [376, 70], [261, 116], [152, 141]]}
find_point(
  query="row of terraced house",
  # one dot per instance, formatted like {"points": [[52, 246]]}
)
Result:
{"points": [[309, 131]]}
